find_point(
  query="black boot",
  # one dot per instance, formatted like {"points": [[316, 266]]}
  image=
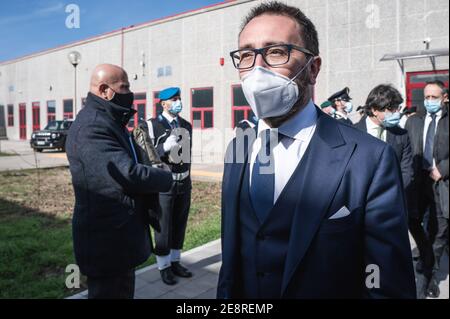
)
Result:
{"points": [[180, 271], [168, 277], [433, 290]]}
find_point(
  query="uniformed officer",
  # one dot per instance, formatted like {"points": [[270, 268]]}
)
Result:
{"points": [[171, 135], [327, 108], [342, 105]]}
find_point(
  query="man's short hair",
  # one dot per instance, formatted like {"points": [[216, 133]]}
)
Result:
{"points": [[308, 31], [383, 97], [439, 83]]}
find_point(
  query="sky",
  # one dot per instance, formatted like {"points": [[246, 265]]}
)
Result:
{"points": [[28, 26]]}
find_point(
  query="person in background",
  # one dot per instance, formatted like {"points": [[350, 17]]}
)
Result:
{"points": [[327, 108], [382, 119], [171, 135], [406, 113], [428, 132], [111, 235], [341, 102]]}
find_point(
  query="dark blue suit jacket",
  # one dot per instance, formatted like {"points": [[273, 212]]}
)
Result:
{"points": [[327, 258]]}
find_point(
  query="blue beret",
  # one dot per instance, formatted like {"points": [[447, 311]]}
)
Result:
{"points": [[169, 93]]}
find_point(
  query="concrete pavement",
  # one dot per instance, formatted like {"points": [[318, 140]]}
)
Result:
{"points": [[203, 261]]}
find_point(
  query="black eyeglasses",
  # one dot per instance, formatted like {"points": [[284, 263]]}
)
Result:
{"points": [[273, 55]]}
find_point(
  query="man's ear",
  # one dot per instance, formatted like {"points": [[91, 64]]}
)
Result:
{"points": [[315, 69], [103, 90]]}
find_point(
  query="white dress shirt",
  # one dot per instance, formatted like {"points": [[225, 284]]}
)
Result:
{"points": [[297, 132], [428, 120], [169, 118], [373, 129]]}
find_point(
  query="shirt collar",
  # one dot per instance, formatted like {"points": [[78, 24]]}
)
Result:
{"points": [[371, 125], [299, 126], [169, 118], [438, 113]]}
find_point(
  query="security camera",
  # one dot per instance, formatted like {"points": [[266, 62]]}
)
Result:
{"points": [[427, 40]]}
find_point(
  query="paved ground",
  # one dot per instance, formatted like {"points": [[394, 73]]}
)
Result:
{"points": [[203, 261]]}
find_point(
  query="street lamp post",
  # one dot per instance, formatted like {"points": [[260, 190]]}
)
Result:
{"points": [[74, 59]]}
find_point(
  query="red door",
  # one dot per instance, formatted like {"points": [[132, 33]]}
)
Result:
{"points": [[36, 116], [416, 81], [140, 101], [23, 121]]}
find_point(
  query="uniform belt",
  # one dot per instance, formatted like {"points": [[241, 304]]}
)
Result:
{"points": [[180, 176]]}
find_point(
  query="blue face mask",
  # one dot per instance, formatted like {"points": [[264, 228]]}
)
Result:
{"points": [[176, 107], [348, 107], [391, 119], [432, 106]]}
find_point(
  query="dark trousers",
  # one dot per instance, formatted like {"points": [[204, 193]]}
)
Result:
{"points": [[427, 204], [120, 286], [440, 238], [175, 206]]}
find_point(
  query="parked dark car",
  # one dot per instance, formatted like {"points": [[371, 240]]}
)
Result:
{"points": [[52, 137]]}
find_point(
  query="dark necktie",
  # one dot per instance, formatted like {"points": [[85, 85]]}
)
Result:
{"points": [[428, 151], [174, 124], [263, 176]]}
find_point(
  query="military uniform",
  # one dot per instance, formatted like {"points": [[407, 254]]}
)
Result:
{"points": [[344, 96], [175, 203]]}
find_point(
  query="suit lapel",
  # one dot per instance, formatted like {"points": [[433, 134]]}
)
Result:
{"points": [[324, 167], [420, 131], [235, 163]]}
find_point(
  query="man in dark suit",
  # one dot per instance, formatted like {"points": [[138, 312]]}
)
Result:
{"points": [[428, 132], [110, 231], [381, 120], [311, 207]]}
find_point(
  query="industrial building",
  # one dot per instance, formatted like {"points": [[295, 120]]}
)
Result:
{"points": [[362, 42]]}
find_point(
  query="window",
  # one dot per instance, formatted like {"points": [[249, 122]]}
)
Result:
{"points": [[140, 100], [10, 115], [68, 109], [202, 102], [51, 111], [36, 112], [240, 108], [157, 107], [415, 83]]}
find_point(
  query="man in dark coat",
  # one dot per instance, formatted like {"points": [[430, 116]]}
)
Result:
{"points": [[428, 132], [110, 231], [382, 120]]}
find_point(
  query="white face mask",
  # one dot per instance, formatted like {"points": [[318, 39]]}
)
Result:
{"points": [[270, 94]]}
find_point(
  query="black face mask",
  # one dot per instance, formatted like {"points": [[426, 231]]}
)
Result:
{"points": [[125, 99]]}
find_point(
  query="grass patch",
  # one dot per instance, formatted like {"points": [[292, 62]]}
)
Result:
{"points": [[6, 154], [36, 232]]}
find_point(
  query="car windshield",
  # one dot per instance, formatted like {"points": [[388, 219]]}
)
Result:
{"points": [[58, 125], [54, 125]]}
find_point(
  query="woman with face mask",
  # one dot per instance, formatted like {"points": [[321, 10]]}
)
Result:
{"points": [[381, 120]]}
